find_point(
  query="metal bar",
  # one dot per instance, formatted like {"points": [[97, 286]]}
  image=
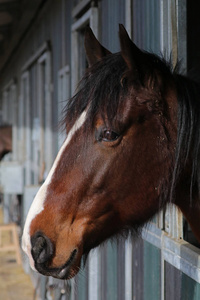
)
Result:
{"points": [[128, 269], [93, 275], [177, 252]]}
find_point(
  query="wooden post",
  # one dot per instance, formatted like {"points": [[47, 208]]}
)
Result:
{"points": [[14, 244]]}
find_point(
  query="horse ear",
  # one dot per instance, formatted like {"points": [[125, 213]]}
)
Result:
{"points": [[94, 50], [129, 51]]}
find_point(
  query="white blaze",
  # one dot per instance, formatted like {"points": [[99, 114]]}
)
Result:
{"points": [[38, 202]]}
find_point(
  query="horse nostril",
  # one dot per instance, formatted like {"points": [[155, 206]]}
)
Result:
{"points": [[42, 248]]}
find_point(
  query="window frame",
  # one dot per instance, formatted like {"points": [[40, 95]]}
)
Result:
{"points": [[9, 100], [35, 167], [92, 17]]}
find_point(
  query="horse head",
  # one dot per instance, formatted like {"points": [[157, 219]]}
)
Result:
{"points": [[108, 176]]}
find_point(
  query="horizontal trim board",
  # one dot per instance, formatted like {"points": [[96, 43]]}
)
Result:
{"points": [[45, 47], [82, 21], [179, 253], [79, 7]]}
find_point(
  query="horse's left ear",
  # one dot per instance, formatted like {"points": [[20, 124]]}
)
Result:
{"points": [[94, 50], [129, 51]]}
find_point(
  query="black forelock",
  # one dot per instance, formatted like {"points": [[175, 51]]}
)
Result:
{"points": [[188, 137], [99, 90], [105, 84]]}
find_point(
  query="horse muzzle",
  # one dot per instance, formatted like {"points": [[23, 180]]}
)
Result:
{"points": [[43, 251], [42, 248]]}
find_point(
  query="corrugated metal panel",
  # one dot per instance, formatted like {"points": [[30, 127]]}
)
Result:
{"points": [[113, 13], [121, 269], [67, 33], [112, 271], [152, 272], [138, 266], [146, 24], [103, 273], [179, 286], [81, 280], [172, 283], [190, 290]]}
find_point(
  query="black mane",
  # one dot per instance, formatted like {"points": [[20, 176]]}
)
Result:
{"points": [[188, 136], [99, 89], [102, 90]]}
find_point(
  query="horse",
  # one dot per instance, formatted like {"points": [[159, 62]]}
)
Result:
{"points": [[5, 140], [132, 146]]}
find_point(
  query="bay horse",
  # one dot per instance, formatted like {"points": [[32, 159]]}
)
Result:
{"points": [[5, 140], [132, 146]]}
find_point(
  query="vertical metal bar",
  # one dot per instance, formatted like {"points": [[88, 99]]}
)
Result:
{"points": [[45, 105], [111, 271], [26, 95], [48, 109], [162, 25], [174, 32], [162, 270], [93, 275], [73, 289], [128, 268], [94, 21], [14, 129], [128, 16], [41, 101], [63, 28], [181, 14], [74, 60]]}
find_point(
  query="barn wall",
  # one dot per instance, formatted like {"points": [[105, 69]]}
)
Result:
{"points": [[51, 25], [36, 82]]}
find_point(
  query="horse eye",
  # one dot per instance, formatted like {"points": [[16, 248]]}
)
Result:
{"points": [[108, 135]]}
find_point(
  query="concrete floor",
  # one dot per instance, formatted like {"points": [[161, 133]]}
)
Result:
{"points": [[14, 283]]}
